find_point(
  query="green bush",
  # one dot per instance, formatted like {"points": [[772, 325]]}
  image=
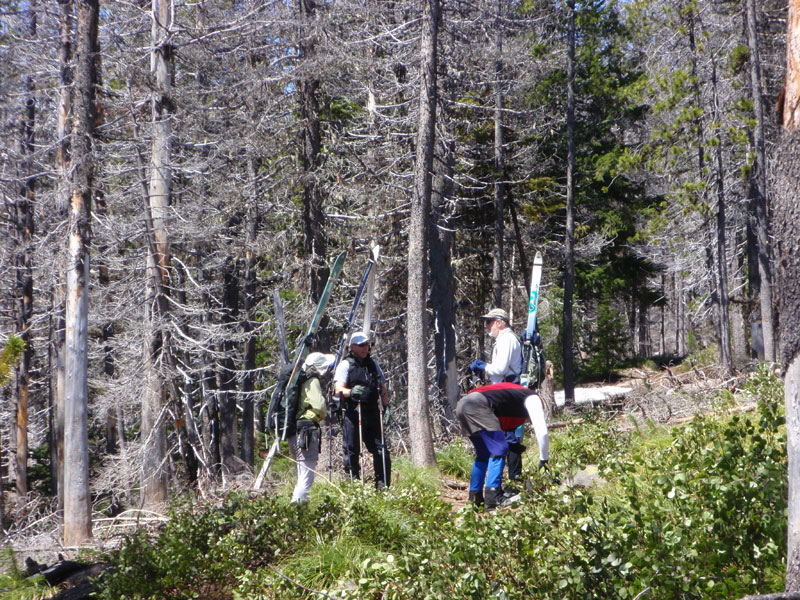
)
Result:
{"points": [[696, 511]]}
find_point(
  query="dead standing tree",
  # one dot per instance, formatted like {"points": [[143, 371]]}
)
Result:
{"points": [[787, 225], [154, 475], [77, 502], [418, 404]]}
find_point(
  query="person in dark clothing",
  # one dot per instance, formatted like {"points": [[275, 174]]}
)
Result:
{"points": [[361, 384], [485, 414]]}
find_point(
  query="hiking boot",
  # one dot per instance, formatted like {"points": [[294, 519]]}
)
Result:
{"points": [[493, 497], [476, 498], [499, 497]]}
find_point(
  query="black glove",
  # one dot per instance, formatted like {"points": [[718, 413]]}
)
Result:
{"points": [[359, 393], [543, 465]]}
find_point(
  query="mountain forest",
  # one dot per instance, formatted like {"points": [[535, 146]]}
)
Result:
{"points": [[178, 180]]}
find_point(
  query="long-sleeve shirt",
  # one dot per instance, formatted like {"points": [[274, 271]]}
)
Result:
{"points": [[511, 405], [506, 357]]}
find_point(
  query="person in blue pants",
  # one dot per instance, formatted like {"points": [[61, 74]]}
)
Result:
{"points": [[485, 414]]}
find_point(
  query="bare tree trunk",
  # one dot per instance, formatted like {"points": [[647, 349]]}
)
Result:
{"points": [[725, 355], [569, 237], [57, 317], [787, 225], [418, 407], [499, 166], [442, 293], [77, 502], [22, 215], [311, 143], [758, 209], [226, 373], [153, 431], [248, 379]]}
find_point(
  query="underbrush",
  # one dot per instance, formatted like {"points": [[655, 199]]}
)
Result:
{"points": [[696, 511]]}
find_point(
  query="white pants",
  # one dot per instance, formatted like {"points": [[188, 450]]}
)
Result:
{"points": [[306, 459]]}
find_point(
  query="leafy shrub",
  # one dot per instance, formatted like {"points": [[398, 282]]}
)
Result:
{"points": [[696, 511]]}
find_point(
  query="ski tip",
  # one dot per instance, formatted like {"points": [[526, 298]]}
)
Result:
{"points": [[376, 252], [537, 259]]}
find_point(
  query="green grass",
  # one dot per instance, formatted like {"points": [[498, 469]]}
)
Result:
{"points": [[663, 521]]}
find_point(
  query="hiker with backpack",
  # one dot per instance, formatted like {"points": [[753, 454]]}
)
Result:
{"points": [[486, 413], [506, 365], [311, 410], [361, 385]]}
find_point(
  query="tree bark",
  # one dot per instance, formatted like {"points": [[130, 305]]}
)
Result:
{"points": [[758, 205], [22, 216], [419, 420], [442, 288], [569, 236], [153, 430], [249, 377], [499, 166], [57, 326], [77, 502], [725, 355], [311, 143], [787, 226], [226, 373]]}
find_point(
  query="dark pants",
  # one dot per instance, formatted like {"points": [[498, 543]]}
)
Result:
{"points": [[515, 449], [371, 429]]}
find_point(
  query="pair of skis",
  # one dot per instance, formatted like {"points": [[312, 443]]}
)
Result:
{"points": [[531, 365], [367, 281]]}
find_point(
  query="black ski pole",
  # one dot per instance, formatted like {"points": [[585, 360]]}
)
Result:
{"points": [[360, 443], [383, 443]]}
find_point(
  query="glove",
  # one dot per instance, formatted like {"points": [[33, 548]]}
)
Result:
{"points": [[524, 335], [478, 366], [359, 393], [543, 465]]}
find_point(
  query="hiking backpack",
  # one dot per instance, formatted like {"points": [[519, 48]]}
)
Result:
{"points": [[282, 413], [536, 364]]}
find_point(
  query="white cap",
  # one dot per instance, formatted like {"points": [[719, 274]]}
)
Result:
{"points": [[318, 363], [358, 338]]}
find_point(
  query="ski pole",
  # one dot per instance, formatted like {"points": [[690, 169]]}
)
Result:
{"points": [[360, 443], [383, 444]]}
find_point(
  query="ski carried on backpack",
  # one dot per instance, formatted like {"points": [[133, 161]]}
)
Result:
{"points": [[334, 405], [532, 358], [370, 291], [281, 412], [351, 318]]}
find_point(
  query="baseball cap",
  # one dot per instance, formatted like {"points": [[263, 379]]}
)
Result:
{"points": [[497, 313], [358, 338]]}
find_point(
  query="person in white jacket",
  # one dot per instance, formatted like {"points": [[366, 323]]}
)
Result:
{"points": [[506, 366], [506, 363]]}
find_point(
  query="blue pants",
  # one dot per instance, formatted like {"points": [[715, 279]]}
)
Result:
{"points": [[491, 449]]}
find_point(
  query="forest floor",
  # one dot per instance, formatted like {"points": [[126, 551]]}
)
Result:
{"points": [[637, 397]]}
